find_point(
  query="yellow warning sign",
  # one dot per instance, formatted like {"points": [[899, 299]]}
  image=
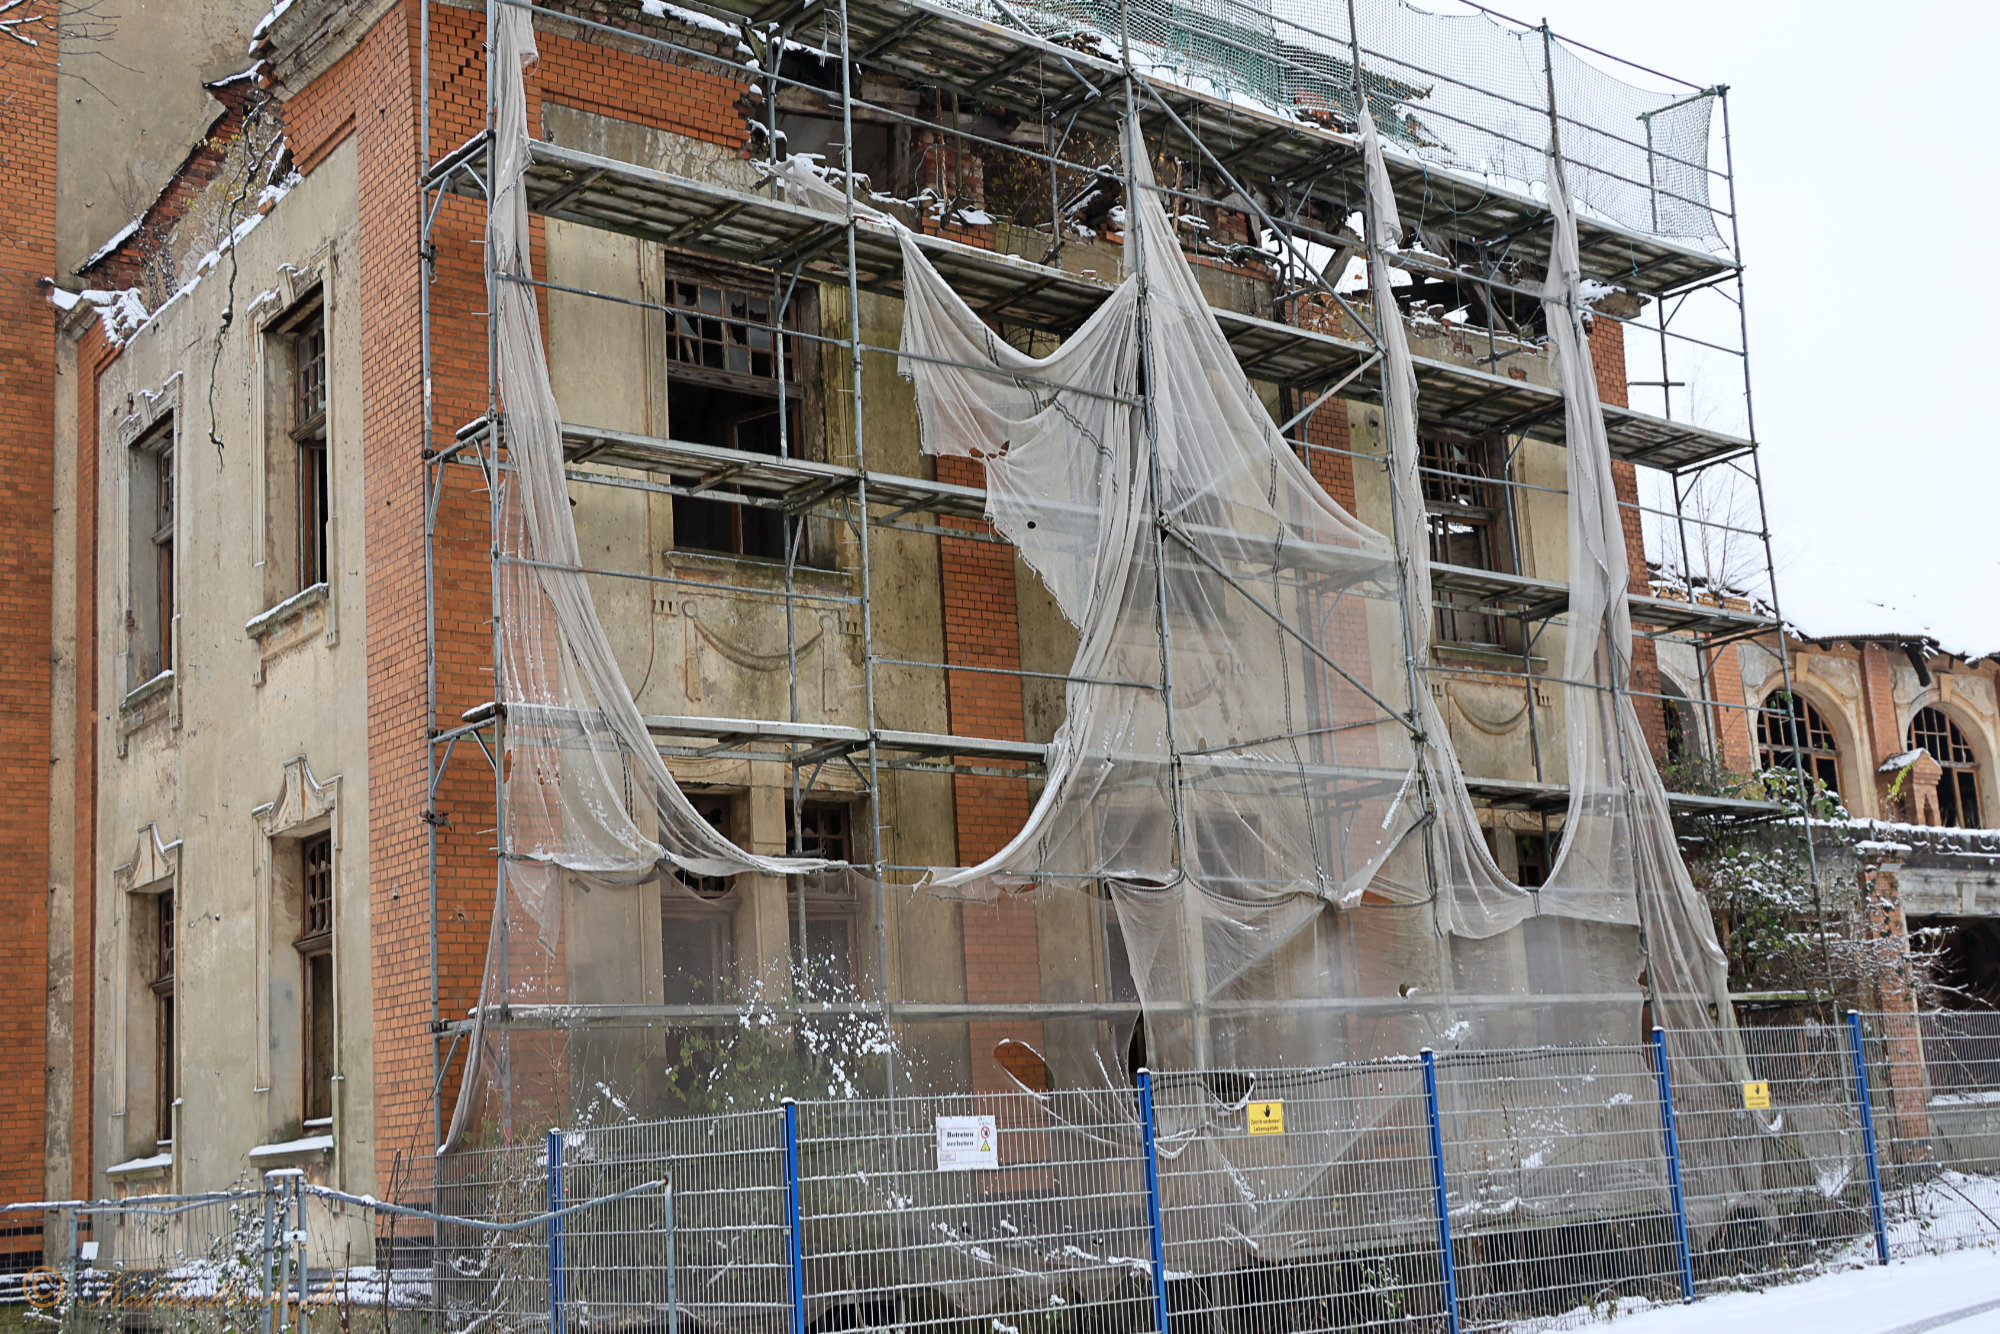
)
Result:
{"points": [[1267, 1118], [1756, 1095]]}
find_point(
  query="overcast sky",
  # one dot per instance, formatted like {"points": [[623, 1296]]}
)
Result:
{"points": [[1866, 164]]}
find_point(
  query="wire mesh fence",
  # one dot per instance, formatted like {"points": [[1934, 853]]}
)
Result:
{"points": [[1516, 1190], [1308, 1193], [1774, 1160], [1558, 1181], [1935, 1095], [1006, 1210]]}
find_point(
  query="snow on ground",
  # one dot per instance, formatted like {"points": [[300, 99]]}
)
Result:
{"points": [[1874, 1300]]}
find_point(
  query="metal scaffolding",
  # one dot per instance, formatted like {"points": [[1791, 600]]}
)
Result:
{"points": [[1295, 176]]}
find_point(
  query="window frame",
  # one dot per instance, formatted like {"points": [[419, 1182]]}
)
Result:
{"points": [[1440, 475], [1774, 752], [806, 837], [695, 338], [164, 972], [1962, 774], [304, 334], [153, 573], [316, 998], [710, 901]]}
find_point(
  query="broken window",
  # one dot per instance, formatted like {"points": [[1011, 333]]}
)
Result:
{"points": [[1958, 788], [723, 391], [1467, 513], [165, 1055], [1791, 734], [697, 933], [1532, 859], [823, 908], [149, 620], [315, 947], [1677, 720]]}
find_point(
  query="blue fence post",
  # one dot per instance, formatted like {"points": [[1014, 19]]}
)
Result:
{"points": [[1445, 1266], [555, 1233], [1667, 1126], [795, 1216], [1159, 1237], [1868, 1135]]}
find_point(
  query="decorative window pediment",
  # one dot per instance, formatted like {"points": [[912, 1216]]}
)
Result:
{"points": [[301, 801], [154, 866]]}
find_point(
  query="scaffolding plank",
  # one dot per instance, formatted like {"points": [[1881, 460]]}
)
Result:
{"points": [[937, 44], [1519, 794], [749, 229], [1515, 594]]}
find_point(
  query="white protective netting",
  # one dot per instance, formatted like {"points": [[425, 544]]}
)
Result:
{"points": [[1265, 783], [1463, 91], [586, 801], [1297, 874]]}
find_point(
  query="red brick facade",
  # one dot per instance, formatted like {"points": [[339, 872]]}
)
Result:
{"points": [[27, 537]]}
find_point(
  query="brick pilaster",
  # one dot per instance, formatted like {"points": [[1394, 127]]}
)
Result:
{"points": [[982, 629]]}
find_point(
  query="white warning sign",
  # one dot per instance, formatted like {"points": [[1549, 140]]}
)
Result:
{"points": [[967, 1144]]}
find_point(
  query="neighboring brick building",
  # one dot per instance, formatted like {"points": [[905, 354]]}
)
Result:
{"points": [[241, 513], [31, 997]]}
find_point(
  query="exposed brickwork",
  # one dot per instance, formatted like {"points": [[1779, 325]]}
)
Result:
{"points": [[1878, 694], [1327, 430], [27, 499], [1607, 356], [126, 264], [982, 629], [1735, 730], [371, 94]]}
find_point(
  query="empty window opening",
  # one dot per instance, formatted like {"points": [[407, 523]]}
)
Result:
{"points": [[1681, 743], [1791, 734], [1958, 788], [723, 391], [315, 946], [697, 934], [1532, 859], [1466, 512], [823, 908]]}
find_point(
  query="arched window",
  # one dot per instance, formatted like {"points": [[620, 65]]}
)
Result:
{"points": [[1958, 790], [1792, 735]]}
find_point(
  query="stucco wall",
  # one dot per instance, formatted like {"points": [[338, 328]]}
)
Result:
{"points": [[209, 772]]}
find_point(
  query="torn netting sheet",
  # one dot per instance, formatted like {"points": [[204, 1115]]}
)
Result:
{"points": [[587, 800], [1254, 801], [1265, 771]]}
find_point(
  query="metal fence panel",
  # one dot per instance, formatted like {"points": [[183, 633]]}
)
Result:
{"points": [[1555, 1163], [1053, 1235], [1935, 1085], [1773, 1192], [1327, 1223]]}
